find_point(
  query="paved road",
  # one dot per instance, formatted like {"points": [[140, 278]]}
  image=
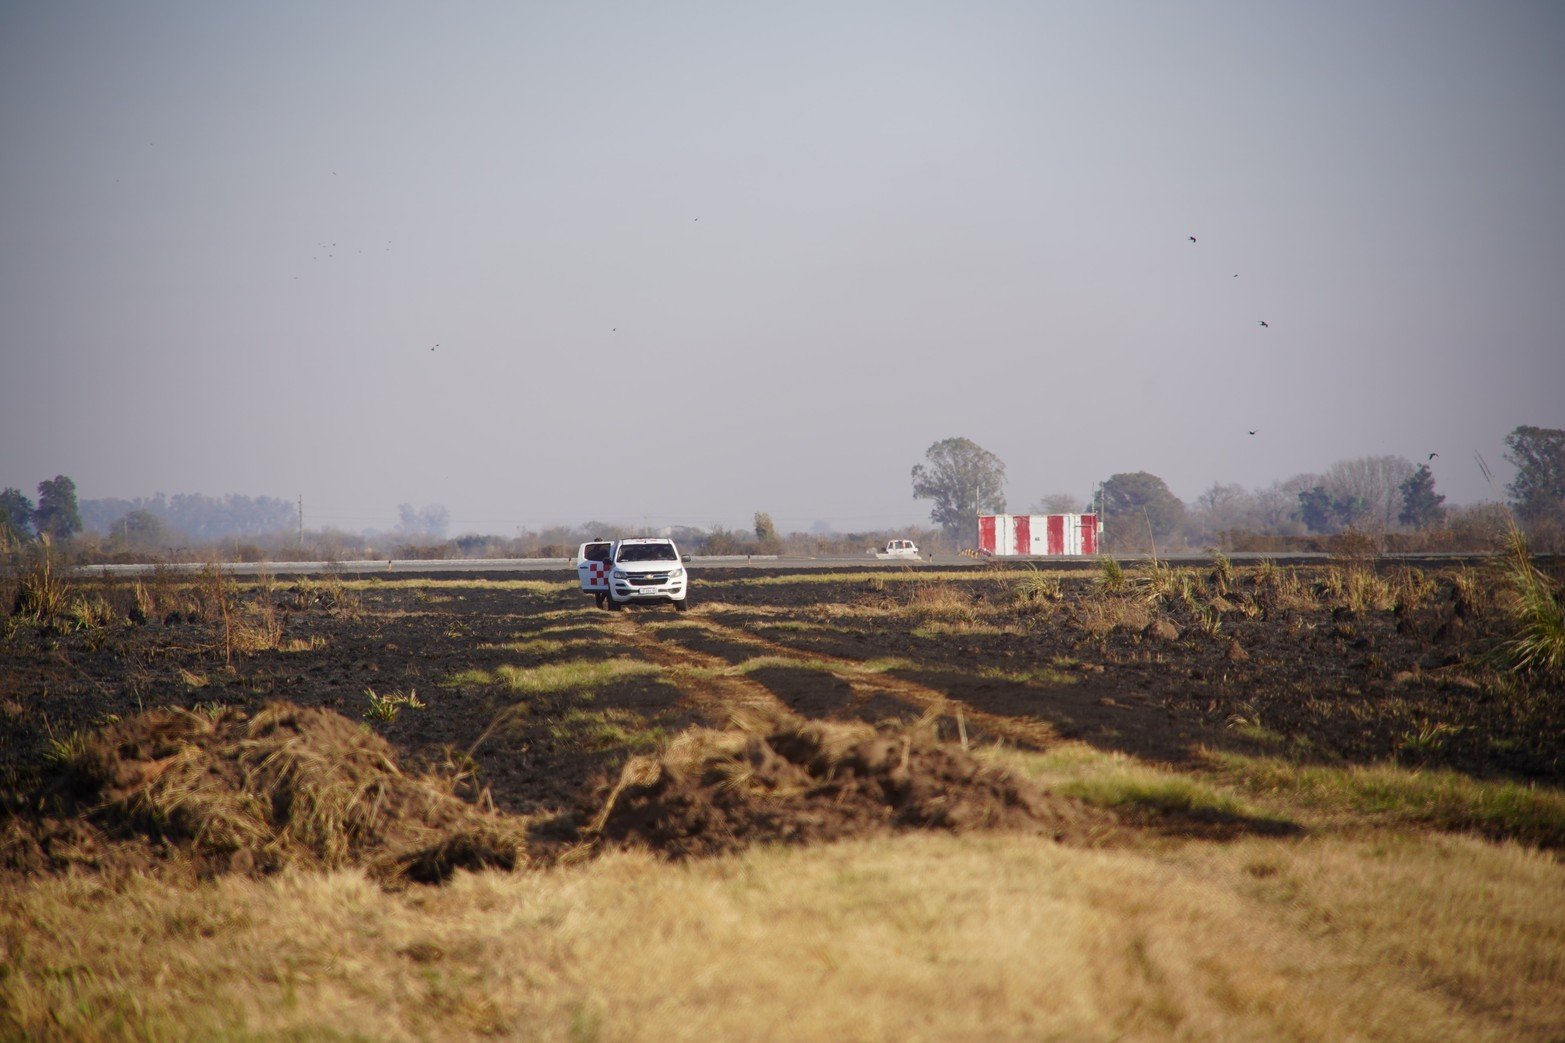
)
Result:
{"points": [[563, 567]]}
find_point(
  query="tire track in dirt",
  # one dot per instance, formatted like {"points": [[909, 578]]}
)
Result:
{"points": [[706, 682], [866, 685]]}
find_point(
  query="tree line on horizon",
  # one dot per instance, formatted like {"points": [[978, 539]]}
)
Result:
{"points": [[1375, 495], [1379, 495]]}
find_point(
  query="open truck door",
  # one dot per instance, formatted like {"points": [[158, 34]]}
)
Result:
{"points": [[592, 568]]}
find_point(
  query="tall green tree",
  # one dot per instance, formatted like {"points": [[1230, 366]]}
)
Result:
{"points": [[428, 523], [16, 516], [57, 514], [1538, 490], [141, 529], [1320, 511], [767, 540], [1315, 509], [1135, 500], [1421, 505], [964, 480]]}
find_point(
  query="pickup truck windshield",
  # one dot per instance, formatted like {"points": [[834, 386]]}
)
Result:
{"points": [[648, 552]]}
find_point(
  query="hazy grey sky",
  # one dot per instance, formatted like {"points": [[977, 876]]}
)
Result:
{"points": [[688, 261]]}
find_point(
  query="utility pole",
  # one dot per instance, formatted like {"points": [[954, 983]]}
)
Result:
{"points": [[978, 493], [301, 520], [1102, 529]]}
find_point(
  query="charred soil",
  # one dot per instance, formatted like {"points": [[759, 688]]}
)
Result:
{"points": [[420, 726]]}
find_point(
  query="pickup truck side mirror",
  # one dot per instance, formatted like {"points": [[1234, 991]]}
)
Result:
{"points": [[684, 557]]}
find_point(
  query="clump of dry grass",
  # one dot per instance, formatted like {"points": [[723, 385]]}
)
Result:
{"points": [[1163, 583], [388, 706], [1413, 589], [1221, 578], [288, 787], [941, 603], [89, 611], [1538, 607], [332, 594], [1036, 589], [42, 592], [1102, 616]]}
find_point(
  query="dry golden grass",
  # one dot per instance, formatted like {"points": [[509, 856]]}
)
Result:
{"points": [[1102, 615], [917, 937]]}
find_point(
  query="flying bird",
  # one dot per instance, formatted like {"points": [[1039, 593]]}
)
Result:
{"points": [[1433, 455], [1192, 238], [1265, 325], [1252, 432]]}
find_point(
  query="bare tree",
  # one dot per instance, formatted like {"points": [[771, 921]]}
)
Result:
{"points": [[1058, 503], [1221, 508], [430, 521], [1276, 510], [1372, 485]]}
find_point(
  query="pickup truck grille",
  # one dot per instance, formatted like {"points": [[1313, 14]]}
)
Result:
{"points": [[647, 579]]}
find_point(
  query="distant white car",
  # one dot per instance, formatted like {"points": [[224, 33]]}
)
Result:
{"points": [[897, 549], [644, 569]]}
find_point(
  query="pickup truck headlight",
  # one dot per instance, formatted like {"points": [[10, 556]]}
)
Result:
{"points": [[677, 574], [619, 573]]}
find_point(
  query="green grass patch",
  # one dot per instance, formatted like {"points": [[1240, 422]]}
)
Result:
{"points": [[566, 632], [884, 665], [1259, 733], [535, 646], [1043, 675], [602, 730], [1135, 790], [1113, 780], [1444, 799], [765, 662], [941, 628], [576, 675], [797, 626]]}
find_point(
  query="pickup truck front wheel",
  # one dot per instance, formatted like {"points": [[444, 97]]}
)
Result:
{"points": [[683, 604], [614, 605]]}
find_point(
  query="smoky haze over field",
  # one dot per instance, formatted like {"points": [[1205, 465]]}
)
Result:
{"points": [[544, 263]]}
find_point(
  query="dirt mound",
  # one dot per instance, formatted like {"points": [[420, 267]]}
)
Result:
{"points": [[252, 794], [717, 791]]}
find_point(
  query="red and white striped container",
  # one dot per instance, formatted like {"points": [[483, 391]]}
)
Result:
{"points": [[1037, 535]]}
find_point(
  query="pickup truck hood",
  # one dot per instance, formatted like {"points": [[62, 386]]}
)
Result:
{"points": [[647, 566]]}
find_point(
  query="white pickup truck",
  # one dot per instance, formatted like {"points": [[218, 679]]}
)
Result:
{"points": [[645, 569], [897, 549]]}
